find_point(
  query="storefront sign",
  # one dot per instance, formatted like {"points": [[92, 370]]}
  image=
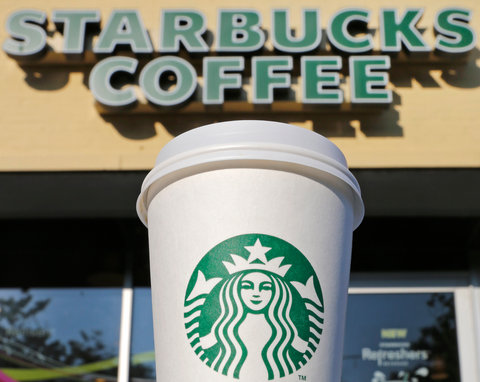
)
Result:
{"points": [[240, 46]]}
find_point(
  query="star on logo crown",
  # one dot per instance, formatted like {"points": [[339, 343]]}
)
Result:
{"points": [[257, 261]]}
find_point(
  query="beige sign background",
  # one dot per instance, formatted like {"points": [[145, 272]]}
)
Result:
{"points": [[49, 120]]}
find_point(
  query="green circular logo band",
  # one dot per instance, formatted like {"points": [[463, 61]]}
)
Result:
{"points": [[254, 307]]}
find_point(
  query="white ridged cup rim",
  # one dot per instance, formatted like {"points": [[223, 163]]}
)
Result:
{"points": [[248, 144]]}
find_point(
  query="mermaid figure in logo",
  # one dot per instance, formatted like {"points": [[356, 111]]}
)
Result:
{"points": [[254, 330]]}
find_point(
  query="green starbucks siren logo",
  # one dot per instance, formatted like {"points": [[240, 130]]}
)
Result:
{"points": [[254, 308]]}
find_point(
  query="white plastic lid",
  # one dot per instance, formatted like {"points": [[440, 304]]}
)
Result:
{"points": [[240, 144]]}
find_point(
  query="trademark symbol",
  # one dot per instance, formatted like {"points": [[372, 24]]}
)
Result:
{"points": [[302, 377]]}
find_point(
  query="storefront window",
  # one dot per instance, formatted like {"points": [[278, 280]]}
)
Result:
{"points": [[59, 334], [401, 337], [142, 364]]}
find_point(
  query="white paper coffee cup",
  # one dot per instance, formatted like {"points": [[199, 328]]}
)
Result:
{"points": [[250, 226]]}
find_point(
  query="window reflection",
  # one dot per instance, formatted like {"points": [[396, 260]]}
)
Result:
{"points": [[401, 337], [59, 334]]}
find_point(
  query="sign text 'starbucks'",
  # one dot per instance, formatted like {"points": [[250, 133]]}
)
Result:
{"points": [[239, 32]]}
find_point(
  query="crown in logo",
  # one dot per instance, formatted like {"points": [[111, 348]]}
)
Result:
{"points": [[257, 261]]}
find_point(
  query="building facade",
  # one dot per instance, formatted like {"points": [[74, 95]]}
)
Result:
{"points": [[91, 92]]}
